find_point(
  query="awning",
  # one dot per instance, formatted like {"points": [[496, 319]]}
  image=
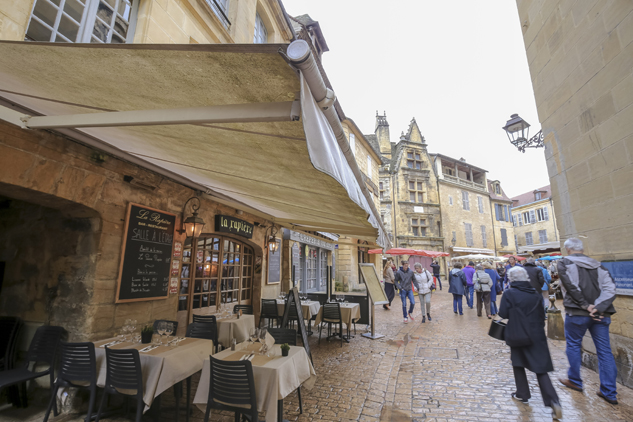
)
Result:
{"points": [[540, 247], [233, 123], [407, 251], [473, 250]]}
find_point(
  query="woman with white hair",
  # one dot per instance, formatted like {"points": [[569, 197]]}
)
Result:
{"points": [[521, 304], [425, 281]]}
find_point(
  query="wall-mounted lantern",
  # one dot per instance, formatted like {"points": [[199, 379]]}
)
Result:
{"points": [[193, 224], [271, 243], [518, 131]]}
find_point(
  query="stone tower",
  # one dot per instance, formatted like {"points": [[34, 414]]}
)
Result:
{"points": [[382, 135]]}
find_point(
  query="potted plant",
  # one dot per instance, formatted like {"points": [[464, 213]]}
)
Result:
{"points": [[146, 334], [285, 348]]}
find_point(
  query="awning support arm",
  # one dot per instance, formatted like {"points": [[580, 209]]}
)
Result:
{"points": [[233, 113]]}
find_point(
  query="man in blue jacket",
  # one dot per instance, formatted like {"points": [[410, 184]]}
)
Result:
{"points": [[512, 262], [405, 282], [469, 271]]}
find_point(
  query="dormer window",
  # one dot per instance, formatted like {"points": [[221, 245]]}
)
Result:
{"points": [[537, 196], [497, 189]]}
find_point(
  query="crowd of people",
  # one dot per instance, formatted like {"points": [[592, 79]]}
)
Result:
{"points": [[588, 293]]}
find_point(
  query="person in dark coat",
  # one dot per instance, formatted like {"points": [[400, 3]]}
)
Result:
{"points": [[535, 273], [536, 357], [512, 262], [436, 273], [493, 290], [457, 286]]}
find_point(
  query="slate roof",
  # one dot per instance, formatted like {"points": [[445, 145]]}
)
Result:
{"points": [[528, 197]]}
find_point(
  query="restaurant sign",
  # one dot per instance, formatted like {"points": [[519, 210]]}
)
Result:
{"points": [[226, 224], [307, 239]]}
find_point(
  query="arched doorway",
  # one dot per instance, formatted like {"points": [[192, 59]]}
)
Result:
{"points": [[216, 270]]}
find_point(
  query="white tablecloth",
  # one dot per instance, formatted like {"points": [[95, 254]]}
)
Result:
{"points": [[162, 368], [234, 328], [273, 381], [349, 313], [309, 308]]}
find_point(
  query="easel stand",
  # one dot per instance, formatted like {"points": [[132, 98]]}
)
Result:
{"points": [[373, 334], [375, 293]]}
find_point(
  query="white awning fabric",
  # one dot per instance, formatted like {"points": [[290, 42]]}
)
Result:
{"points": [[539, 247], [292, 172], [473, 250]]}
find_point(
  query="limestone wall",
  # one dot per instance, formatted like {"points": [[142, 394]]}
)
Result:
{"points": [[580, 55]]}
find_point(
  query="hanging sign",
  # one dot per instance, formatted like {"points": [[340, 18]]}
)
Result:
{"points": [[177, 249], [226, 224]]}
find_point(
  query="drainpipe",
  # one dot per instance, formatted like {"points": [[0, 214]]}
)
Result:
{"points": [[300, 56]]}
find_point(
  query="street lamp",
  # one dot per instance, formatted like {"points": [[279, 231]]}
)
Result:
{"points": [[272, 240], [193, 225], [518, 131]]}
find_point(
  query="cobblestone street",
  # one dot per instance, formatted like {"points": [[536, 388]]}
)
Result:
{"points": [[448, 369]]}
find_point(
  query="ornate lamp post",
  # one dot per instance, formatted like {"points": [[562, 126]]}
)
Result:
{"points": [[518, 131]]}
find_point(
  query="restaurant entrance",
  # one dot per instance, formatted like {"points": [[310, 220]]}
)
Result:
{"points": [[217, 270]]}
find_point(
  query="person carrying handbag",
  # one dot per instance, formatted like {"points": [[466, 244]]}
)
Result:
{"points": [[425, 281], [521, 304], [483, 285]]}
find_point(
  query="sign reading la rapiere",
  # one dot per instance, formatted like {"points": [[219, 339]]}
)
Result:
{"points": [[226, 224]]}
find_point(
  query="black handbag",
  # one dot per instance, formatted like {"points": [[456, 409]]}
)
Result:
{"points": [[497, 329]]}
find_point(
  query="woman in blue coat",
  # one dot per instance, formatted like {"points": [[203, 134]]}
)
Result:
{"points": [[457, 286], [489, 269]]}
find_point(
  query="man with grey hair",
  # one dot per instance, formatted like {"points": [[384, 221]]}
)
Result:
{"points": [[588, 292]]}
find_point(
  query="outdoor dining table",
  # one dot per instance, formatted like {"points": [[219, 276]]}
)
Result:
{"points": [[309, 307], [234, 328], [161, 367], [350, 312], [275, 377]]}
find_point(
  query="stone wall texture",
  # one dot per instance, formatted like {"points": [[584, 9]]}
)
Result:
{"points": [[580, 55]]}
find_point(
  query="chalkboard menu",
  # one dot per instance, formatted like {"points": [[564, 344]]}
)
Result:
{"points": [[274, 265], [146, 254]]}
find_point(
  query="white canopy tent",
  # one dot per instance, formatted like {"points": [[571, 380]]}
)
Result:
{"points": [[237, 122]]}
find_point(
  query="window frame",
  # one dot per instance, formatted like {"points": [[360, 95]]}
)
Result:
{"points": [[465, 200], [417, 191], [480, 204], [542, 236], [468, 232], [415, 159], [260, 27], [484, 237], [529, 240]]}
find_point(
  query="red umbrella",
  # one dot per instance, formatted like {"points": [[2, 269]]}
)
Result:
{"points": [[518, 258], [431, 254], [407, 251], [400, 251], [374, 251]]}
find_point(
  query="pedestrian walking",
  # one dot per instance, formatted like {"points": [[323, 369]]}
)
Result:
{"points": [[545, 288], [404, 282], [389, 278], [495, 288], [588, 294], [521, 305], [436, 273], [483, 285], [469, 271], [425, 287], [501, 271], [512, 262], [457, 286], [534, 273]]}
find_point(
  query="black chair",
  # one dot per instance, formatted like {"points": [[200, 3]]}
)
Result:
{"points": [[9, 331], [270, 311], [289, 336], [77, 364], [204, 330], [332, 315], [232, 388], [246, 309], [205, 318], [43, 349], [123, 372], [165, 320]]}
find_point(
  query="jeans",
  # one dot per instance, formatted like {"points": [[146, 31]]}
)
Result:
{"points": [[493, 307], [403, 296], [575, 328], [425, 303], [457, 303], [469, 295], [439, 282]]}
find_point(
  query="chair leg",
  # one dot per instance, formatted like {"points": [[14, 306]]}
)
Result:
{"points": [[320, 331], [177, 396], [300, 401], [341, 332], [206, 413], [51, 402], [103, 399], [237, 416], [139, 409], [188, 406], [91, 403]]}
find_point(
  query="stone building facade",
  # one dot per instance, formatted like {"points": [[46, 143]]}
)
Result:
{"points": [[503, 236], [534, 222], [580, 56]]}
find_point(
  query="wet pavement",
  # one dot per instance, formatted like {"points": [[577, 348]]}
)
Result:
{"points": [[448, 369]]}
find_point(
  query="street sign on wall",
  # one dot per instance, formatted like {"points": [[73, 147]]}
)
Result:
{"points": [[622, 274]]}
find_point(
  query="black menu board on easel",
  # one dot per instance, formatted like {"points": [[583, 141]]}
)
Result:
{"points": [[294, 301], [146, 254]]}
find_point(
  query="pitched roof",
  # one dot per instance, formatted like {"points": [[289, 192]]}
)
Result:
{"points": [[528, 197], [493, 195]]}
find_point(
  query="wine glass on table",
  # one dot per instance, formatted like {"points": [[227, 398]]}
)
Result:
{"points": [[132, 329], [253, 335], [161, 330], [169, 329], [262, 339]]}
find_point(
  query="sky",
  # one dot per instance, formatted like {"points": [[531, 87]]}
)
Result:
{"points": [[458, 66]]}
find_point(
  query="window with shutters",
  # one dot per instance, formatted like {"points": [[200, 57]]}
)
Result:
{"points": [[526, 217], [541, 214], [520, 218], [537, 196], [468, 228], [416, 191], [465, 202], [528, 238], [499, 214], [480, 203], [352, 143], [414, 160], [484, 239], [506, 212], [85, 21], [504, 237], [532, 217], [261, 33], [497, 189], [542, 236]]}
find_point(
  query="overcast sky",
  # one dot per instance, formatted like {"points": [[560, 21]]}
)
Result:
{"points": [[458, 66]]}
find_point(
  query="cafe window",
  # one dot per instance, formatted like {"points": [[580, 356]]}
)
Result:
{"points": [[323, 270], [311, 270], [85, 21], [416, 191], [414, 160], [217, 270]]}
